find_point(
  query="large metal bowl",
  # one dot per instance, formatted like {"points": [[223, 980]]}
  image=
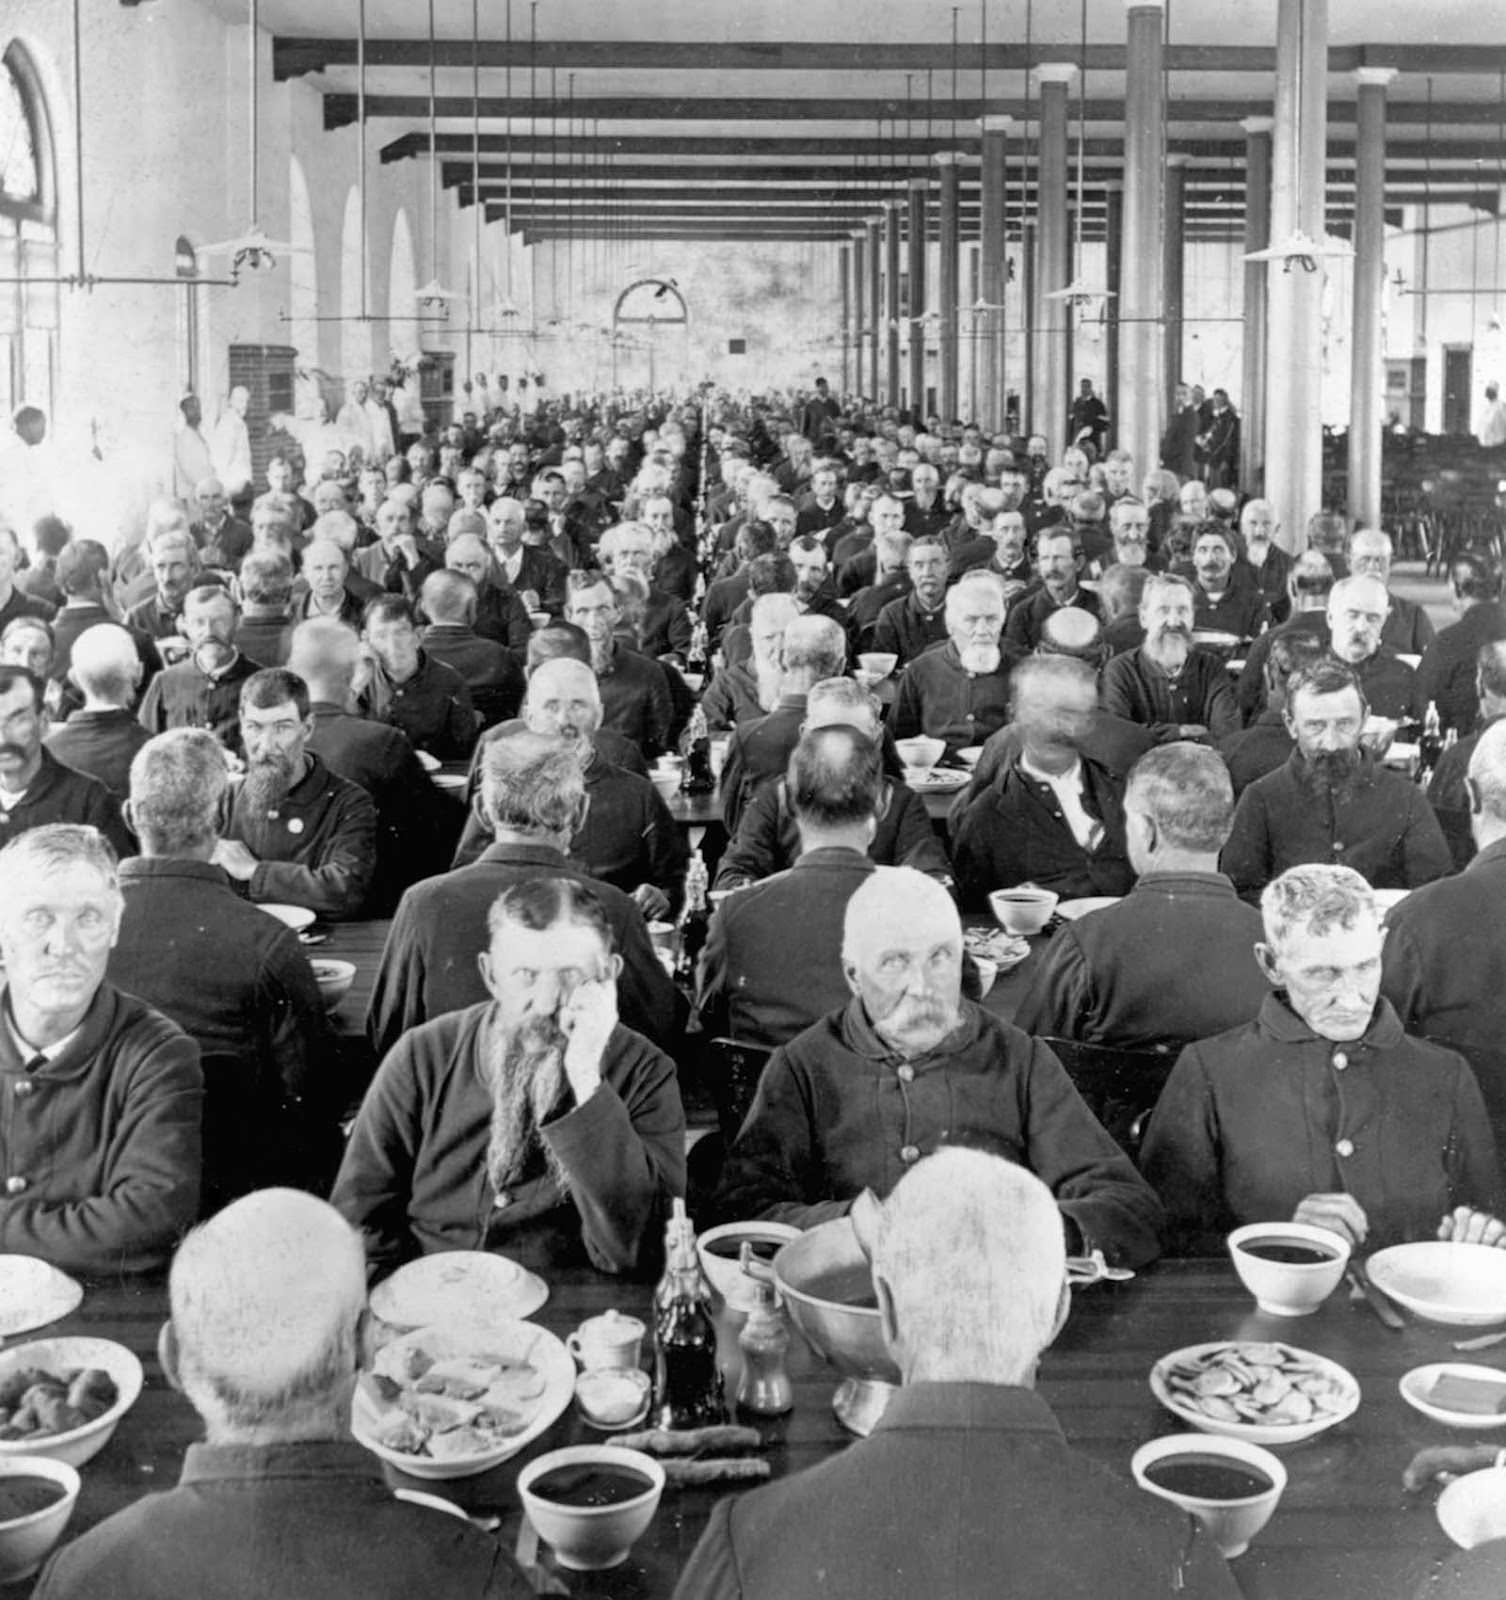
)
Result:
{"points": [[850, 1337]]}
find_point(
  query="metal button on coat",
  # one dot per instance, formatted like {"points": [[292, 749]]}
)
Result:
{"points": [[909, 1155], [906, 1073], [1345, 1147], [1340, 1061], [15, 1185], [24, 1086]]}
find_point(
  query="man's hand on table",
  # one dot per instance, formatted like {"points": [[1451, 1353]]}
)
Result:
{"points": [[1339, 1213], [651, 901], [1464, 1225], [587, 1020], [236, 859]]}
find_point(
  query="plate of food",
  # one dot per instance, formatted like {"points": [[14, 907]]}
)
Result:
{"points": [[1443, 1281], [33, 1293], [1005, 950], [1457, 1393], [468, 1288], [936, 780], [1268, 1393], [62, 1398], [454, 1401], [1073, 909]]}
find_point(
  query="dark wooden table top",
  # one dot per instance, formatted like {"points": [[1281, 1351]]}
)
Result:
{"points": [[1344, 1528]]}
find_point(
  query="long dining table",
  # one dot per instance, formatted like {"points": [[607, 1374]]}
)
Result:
{"points": [[1345, 1527]]}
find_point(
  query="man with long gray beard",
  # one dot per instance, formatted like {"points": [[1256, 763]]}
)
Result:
{"points": [[747, 690], [533, 1123], [959, 691], [298, 835]]}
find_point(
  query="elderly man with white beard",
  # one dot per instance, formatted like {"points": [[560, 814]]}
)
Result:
{"points": [[533, 1123], [747, 690], [1167, 684], [959, 692]]}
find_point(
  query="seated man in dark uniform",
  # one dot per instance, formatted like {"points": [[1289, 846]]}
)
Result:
{"points": [[534, 1122], [968, 1307], [959, 692], [1052, 816], [1323, 1109], [907, 1065], [411, 689], [1174, 961], [104, 1096], [297, 834]]}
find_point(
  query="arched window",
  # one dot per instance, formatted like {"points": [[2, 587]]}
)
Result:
{"points": [[28, 237]]}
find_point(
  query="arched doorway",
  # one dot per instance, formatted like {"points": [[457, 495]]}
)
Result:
{"points": [[641, 354], [303, 268], [28, 236]]}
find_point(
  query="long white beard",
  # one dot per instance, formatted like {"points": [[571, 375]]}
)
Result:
{"points": [[768, 675], [980, 658], [524, 1068]]}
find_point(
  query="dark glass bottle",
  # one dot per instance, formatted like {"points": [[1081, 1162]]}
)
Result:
{"points": [[687, 1381], [1430, 744], [695, 920], [696, 776]]}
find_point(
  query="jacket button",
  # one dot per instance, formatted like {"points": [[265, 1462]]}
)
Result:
{"points": [[1345, 1147], [1340, 1061], [909, 1155], [15, 1185], [905, 1073], [24, 1086]]}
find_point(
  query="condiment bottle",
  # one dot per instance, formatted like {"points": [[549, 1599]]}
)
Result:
{"points": [[695, 918], [764, 1386], [696, 774], [687, 1380]]}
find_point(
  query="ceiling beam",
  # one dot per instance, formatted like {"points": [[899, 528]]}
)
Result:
{"points": [[340, 110], [293, 56], [679, 149]]}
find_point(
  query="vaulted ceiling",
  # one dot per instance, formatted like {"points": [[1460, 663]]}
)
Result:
{"points": [[794, 118]]}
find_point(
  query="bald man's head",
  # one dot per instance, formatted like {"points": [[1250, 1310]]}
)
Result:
{"points": [[106, 665], [563, 699], [902, 955], [266, 1299], [1072, 631]]}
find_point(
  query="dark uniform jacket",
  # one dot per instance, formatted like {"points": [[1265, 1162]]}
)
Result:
{"points": [[101, 744], [636, 701], [938, 696], [434, 708], [837, 1112], [1174, 961], [414, 1178], [906, 629], [1446, 673], [100, 1146], [1027, 617], [1014, 832], [963, 1489], [490, 671], [1256, 750], [317, 849], [185, 697], [1384, 829], [1253, 1121], [1139, 690], [732, 697], [59, 794]]}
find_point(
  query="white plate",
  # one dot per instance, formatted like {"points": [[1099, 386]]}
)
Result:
{"points": [[32, 1294], [518, 1340], [1400, 754], [294, 917], [1005, 950], [1255, 1432], [466, 1287], [452, 782], [937, 781], [1460, 1284], [426, 761], [1415, 1385], [969, 756], [1073, 909]]}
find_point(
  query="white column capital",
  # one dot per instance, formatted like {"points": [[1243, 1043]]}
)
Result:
{"points": [[947, 158], [917, 185], [1062, 72], [1144, 5], [1178, 158], [993, 124], [1254, 125], [860, 234], [1374, 77], [890, 207]]}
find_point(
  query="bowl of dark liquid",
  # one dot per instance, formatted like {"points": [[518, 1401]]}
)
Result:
{"points": [[591, 1502], [1230, 1486], [37, 1496], [1290, 1267], [721, 1256]]}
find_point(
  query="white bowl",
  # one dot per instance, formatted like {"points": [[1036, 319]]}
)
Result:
{"points": [[294, 917], [1269, 1433], [1472, 1509], [1416, 1384], [1288, 1289], [33, 1293], [61, 1355], [1071, 910], [334, 979], [26, 1542], [921, 753], [725, 1272], [1463, 1285], [1022, 911], [505, 1337], [970, 755], [591, 1538], [470, 1287], [613, 1398], [879, 662], [1231, 1523]]}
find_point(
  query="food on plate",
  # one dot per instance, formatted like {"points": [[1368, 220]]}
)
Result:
{"points": [[35, 1403], [1270, 1384], [449, 1409], [994, 944]]}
